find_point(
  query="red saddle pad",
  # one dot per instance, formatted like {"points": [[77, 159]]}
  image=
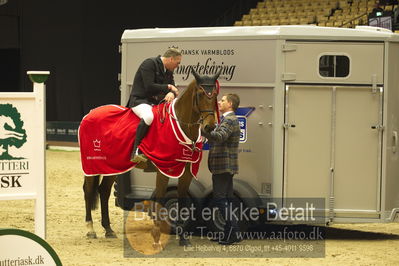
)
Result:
{"points": [[106, 137]]}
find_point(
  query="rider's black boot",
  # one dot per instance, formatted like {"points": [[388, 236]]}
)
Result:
{"points": [[137, 156]]}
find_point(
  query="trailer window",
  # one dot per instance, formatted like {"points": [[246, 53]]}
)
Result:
{"points": [[334, 66]]}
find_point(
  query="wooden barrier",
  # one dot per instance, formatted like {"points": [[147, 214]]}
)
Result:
{"points": [[22, 147]]}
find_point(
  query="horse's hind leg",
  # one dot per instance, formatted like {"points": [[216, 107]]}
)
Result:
{"points": [[90, 186], [105, 191]]}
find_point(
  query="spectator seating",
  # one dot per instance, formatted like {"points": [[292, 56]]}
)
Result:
{"points": [[328, 13]]}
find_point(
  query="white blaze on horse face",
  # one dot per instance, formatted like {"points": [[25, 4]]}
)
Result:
{"points": [[206, 107]]}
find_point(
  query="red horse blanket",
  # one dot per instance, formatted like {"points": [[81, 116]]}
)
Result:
{"points": [[107, 133]]}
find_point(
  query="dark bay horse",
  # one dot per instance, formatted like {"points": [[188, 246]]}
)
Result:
{"points": [[195, 107]]}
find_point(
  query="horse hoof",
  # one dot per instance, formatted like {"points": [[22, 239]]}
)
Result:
{"points": [[91, 235], [110, 234], [157, 246], [184, 242]]}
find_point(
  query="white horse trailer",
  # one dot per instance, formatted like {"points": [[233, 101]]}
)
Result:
{"points": [[318, 114]]}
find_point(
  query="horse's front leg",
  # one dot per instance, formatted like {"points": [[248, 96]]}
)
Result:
{"points": [[90, 186], [160, 192], [105, 191], [183, 202], [156, 229]]}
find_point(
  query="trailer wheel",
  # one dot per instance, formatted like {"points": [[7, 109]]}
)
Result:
{"points": [[216, 222], [171, 206]]}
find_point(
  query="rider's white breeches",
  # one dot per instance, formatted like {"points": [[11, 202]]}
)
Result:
{"points": [[144, 111]]}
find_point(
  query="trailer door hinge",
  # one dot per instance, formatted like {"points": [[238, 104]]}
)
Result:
{"points": [[374, 83], [289, 47], [288, 125], [288, 76], [378, 127]]}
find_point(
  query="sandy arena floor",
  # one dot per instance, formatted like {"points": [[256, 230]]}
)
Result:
{"points": [[350, 244]]}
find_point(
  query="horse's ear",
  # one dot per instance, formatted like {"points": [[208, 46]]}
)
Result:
{"points": [[216, 76], [195, 74]]}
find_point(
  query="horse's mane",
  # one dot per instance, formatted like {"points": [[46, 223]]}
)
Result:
{"points": [[187, 89]]}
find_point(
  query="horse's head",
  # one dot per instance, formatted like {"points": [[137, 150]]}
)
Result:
{"points": [[205, 99]]}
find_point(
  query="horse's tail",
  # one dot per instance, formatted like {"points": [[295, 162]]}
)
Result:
{"points": [[92, 192]]}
